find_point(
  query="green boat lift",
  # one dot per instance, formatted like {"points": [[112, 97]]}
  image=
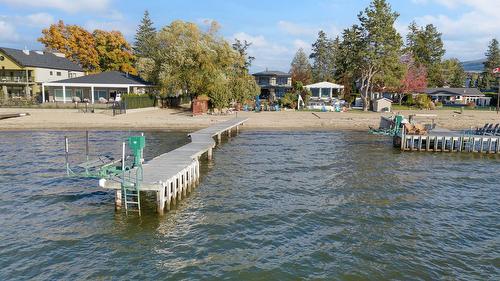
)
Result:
{"points": [[127, 171]]}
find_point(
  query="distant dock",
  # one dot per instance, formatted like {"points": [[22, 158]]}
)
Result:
{"points": [[174, 174], [440, 140]]}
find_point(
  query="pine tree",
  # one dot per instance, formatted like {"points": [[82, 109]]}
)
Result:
{"points": [[301, 68], [241, 47], [144, 37], [323, 56], [492, 62]]}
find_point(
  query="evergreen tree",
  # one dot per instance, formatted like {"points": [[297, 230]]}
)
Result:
{"points": [[301, 68], [453, 73], [242, 47], [323, 55], [144, 38], [426, 47], [492, 62], [380, 64]]}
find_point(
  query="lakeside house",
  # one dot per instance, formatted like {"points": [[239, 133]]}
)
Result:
{"points": [[324, 91], [22, 72], [460, 96], [101, 87], [273, 84]]}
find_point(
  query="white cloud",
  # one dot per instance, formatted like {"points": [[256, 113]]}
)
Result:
{"points": [[298, 43], [39, 19], [8, 32], [127, 29], [267, 54], [71, 6]]}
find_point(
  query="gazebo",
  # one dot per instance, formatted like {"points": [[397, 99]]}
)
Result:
{"points": [[324, 90]]}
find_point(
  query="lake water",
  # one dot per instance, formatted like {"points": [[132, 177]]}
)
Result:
{"points": [[271, 206]]}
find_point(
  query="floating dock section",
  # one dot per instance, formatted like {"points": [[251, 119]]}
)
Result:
{"points": [[441, 140], [174, 174]]}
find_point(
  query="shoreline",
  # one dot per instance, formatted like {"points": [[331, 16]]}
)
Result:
{"points": [[181, 120]]}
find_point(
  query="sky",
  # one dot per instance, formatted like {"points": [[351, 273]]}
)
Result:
{"points": [[276, 28]]}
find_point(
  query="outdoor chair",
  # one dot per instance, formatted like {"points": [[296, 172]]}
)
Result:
{"points": [[480, 131], [492, 131], [487, 130]]}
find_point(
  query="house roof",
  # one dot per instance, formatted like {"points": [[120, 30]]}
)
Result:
{"points": [[40, 59], [325, 85], [108, 77], [272, 73], [454, 92], [383, 99]]}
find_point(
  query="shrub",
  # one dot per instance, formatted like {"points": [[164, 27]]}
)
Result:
{"points": [[471, 104], [439, 104], [289, 100], [423, 102], [139, 101]]}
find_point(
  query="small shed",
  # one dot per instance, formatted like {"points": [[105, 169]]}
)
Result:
{"points": [[382, 105]]}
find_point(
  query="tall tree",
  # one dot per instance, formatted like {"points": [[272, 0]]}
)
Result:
{"points": [[350, 58], [381, 54], [492, 62], [323, 55], [242, 48], [114, 51], [426, 47], [301, 68], [192, 62], [453, 73], [76, 43], [144, 37]]}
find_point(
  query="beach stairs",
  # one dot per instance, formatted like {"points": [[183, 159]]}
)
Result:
{"points": [[131, 197]]}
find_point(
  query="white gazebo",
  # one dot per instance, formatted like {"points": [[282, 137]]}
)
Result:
{"points": [[324, 90]]}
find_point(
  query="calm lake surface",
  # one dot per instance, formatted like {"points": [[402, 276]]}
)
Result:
{"points": [[271, 206]]}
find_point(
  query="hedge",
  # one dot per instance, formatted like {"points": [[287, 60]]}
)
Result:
{"points": [[139, 101]]}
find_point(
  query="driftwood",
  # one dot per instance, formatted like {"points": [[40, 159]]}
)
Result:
{"points": [[417, 129]]}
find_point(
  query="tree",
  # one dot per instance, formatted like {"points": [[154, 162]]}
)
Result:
{"points": [[349, 60], [76, 43], [144, 37], [323, 54], [453, 73], [415, 78], [380, 56], [301, 68], [114, 51], [241, 47], [492, 62], [426, 47], [96, 51], [191, 62]]}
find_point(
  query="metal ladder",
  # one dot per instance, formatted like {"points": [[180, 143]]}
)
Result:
{"points": [[132, 198]]}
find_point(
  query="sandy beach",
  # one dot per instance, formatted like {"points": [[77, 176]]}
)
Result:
{"points": [[174, 119]]}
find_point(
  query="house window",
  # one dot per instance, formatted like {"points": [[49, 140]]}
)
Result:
{"points": [[51, 73], [282, 80], [58, 94], [263, 80], [58, 73], [100, 94], [79, 93]]}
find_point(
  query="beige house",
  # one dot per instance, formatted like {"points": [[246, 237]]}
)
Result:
{"points": [[22, 72]]}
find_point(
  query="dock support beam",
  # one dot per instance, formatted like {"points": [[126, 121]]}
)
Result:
{"points": [[160, 195], [118, 199], [229, 133], [209, 154], [219, 138], [237, 129]]}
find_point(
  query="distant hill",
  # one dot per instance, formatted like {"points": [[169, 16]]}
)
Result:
{"points": [[473, 65]]}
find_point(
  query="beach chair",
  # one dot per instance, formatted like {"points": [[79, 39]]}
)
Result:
{"points": [[492, 131], [487, 130], [480, 131]]}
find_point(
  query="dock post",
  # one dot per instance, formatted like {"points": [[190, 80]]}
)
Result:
{"points": [[186, 183], [169, 194], [219, 138], [209, 154], [197, 172], [118, 199], [160, 199], [229, 133], [237, 129]]}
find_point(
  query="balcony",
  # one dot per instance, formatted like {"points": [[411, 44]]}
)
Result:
{"points": [[16, 79]]}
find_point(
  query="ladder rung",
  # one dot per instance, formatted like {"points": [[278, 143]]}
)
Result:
{"points": [[132, 194], [132, 202]]}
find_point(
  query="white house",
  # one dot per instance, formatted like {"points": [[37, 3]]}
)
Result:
{"points": [[324, 90]]}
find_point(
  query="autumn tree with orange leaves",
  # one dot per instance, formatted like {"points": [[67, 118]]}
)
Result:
{"points": [[96, 51]]}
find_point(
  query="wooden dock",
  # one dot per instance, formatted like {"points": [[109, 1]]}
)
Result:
{"points": [[440, 140], [174, 174]]}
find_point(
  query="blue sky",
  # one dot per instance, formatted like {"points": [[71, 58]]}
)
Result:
{"points": [[276, 28]]}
